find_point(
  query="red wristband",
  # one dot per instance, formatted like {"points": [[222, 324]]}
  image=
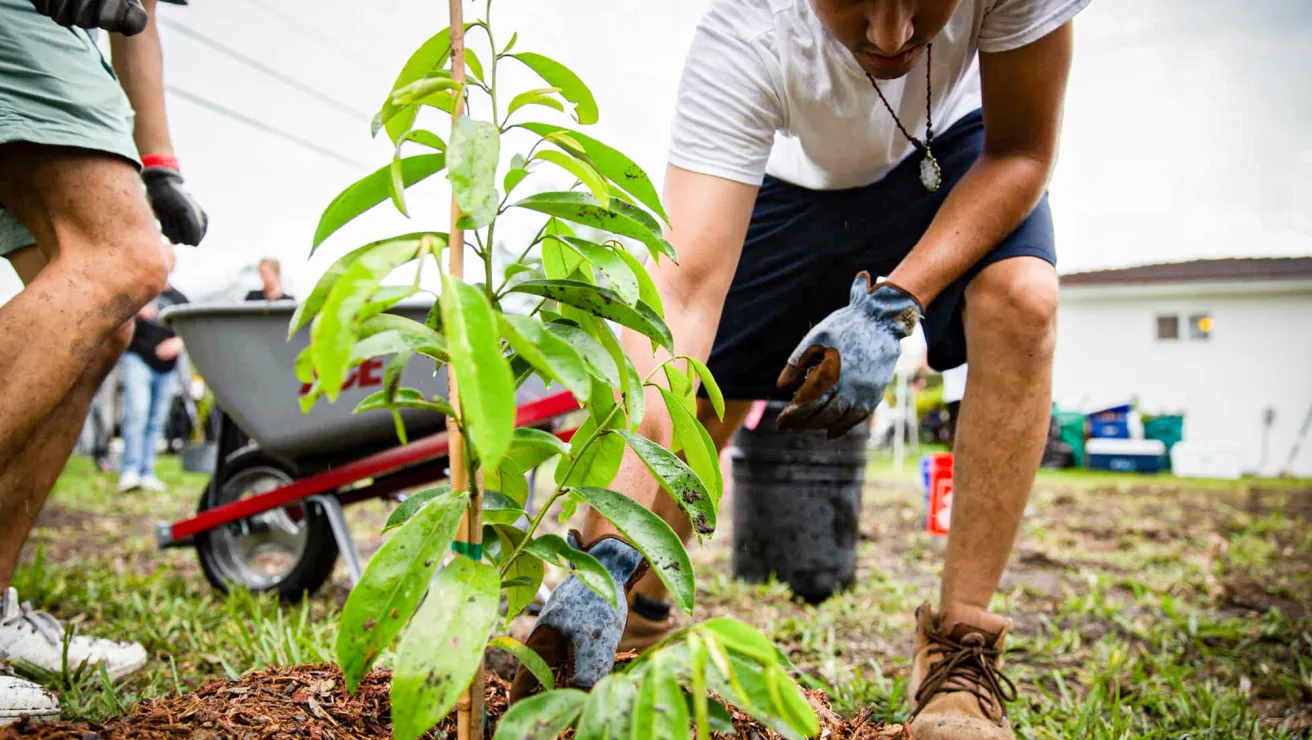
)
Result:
{"points": [[161, 160]]}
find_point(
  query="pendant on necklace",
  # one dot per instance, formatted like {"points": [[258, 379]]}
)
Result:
{"points": [[930, 174]]}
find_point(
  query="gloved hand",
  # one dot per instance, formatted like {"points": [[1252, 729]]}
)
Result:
{"points": [[578, 631], [127, 17], [180, 217], [843, 365]]}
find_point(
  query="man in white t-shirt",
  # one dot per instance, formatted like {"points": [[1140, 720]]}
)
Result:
{"points": [[817, 139]]}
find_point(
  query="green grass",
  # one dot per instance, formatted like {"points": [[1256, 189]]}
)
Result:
{"points": [[1144, 606]]}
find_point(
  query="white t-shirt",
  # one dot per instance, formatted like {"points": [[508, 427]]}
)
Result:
{"points": [[765, 88]]}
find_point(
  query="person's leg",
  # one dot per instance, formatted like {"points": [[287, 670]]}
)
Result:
{"points": [[136, 416], [161, 402], [1011, 327], [27, 480], [89, 216]]}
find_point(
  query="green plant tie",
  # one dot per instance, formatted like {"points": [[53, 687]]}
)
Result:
{"points": [[471, 550]]}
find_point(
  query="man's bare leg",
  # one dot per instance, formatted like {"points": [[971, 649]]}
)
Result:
{"points": [[27, 480], [90, 217], [1010, 335]]}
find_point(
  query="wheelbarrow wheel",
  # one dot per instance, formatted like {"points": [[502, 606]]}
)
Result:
{"points": [[289, 551]]}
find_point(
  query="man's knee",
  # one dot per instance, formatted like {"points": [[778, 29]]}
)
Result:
{"points": [[117, 343], [1014, 302], [134, 269]]}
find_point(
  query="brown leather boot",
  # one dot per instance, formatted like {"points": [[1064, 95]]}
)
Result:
{"points": [[646, 626], [957, 687]]}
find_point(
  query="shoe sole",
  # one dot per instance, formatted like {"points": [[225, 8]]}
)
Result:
{"points": [[13, 716]]}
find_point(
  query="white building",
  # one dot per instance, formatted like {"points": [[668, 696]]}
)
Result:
{"points": [[1227, 342]]}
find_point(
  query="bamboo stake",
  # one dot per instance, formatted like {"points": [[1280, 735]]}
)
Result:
{"points": [[469, 709]]}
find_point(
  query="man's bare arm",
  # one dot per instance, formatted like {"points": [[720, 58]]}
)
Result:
{"points": [[1023, 90], [139, 63], [708, 222]]}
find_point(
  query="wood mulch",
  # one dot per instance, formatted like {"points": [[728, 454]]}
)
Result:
{"points": [[310, 701]]}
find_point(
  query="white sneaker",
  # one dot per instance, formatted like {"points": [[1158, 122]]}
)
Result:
{"points": [[38, 638], [151, 483], [20, 699], [128, 482]]}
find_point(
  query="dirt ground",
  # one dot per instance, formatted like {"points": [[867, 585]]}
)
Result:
{"points": [[1149, 607]]}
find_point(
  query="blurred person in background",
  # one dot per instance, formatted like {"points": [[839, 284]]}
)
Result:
{"points": [[149, 383], [88, 180], [271, 278]]}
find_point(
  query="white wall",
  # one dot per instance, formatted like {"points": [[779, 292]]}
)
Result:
{"points": [[1259, 355]]}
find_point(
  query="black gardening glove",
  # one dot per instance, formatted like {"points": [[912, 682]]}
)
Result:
{"points": [[578, 631], [127, 17], [181, 218]]}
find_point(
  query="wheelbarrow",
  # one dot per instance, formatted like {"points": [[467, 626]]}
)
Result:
{"points": [[270, 518]]}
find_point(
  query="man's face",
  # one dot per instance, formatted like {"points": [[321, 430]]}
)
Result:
{"points": [[269, 276], [886, 37]]}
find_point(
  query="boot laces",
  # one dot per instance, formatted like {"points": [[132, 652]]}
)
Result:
{"points": [[967, 665]]}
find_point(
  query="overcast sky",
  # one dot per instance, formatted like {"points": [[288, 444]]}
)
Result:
{"points": [[1188, 129]]}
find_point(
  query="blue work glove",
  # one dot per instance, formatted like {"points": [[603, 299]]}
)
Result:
{"points": [[578, 631], [127, 17], [842, 366]]}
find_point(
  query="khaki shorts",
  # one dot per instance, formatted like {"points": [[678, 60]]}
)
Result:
{"points": [[56, 89]]}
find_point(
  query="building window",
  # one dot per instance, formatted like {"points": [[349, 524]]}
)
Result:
{"points": [[1168, 327], [1200, 326]]}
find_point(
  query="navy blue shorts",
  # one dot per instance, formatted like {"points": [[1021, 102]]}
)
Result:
{"points": [[804, 247]]}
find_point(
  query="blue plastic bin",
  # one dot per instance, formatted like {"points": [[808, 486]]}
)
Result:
{"points": [[1112, 423]]}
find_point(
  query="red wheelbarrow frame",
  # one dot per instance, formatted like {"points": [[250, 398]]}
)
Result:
{"points": [[407, 466]]}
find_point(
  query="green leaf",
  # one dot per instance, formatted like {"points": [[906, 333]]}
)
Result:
{"points": [[651, 535], [552, 549], [430, 56], [635, 401], [660, 713], [698, 449], [421, 136], [412, 504], [647, 291], [386, 333], [333, 334], [385, 298], [405, 398], [439, 654], [678, 480], [530, 447], [742, 638], [305, 366], [697, 698], [499, 508], [508, 479], [599, 363], [395, 185], [621, 218], [608, 714], [310, 307], [539, 96], [612, 164], [371, 190], [474, 151], [511, 43], [597, 464], [571, 87], [541, 716], [622, 279], [474, 65], [604, 303], [579, 169], [525, 566], [434, 84], [555, 357], [528, 658], [393, 584], [513, 177], [515, 269], [789, 702], [708, 382], [487, 393]]}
